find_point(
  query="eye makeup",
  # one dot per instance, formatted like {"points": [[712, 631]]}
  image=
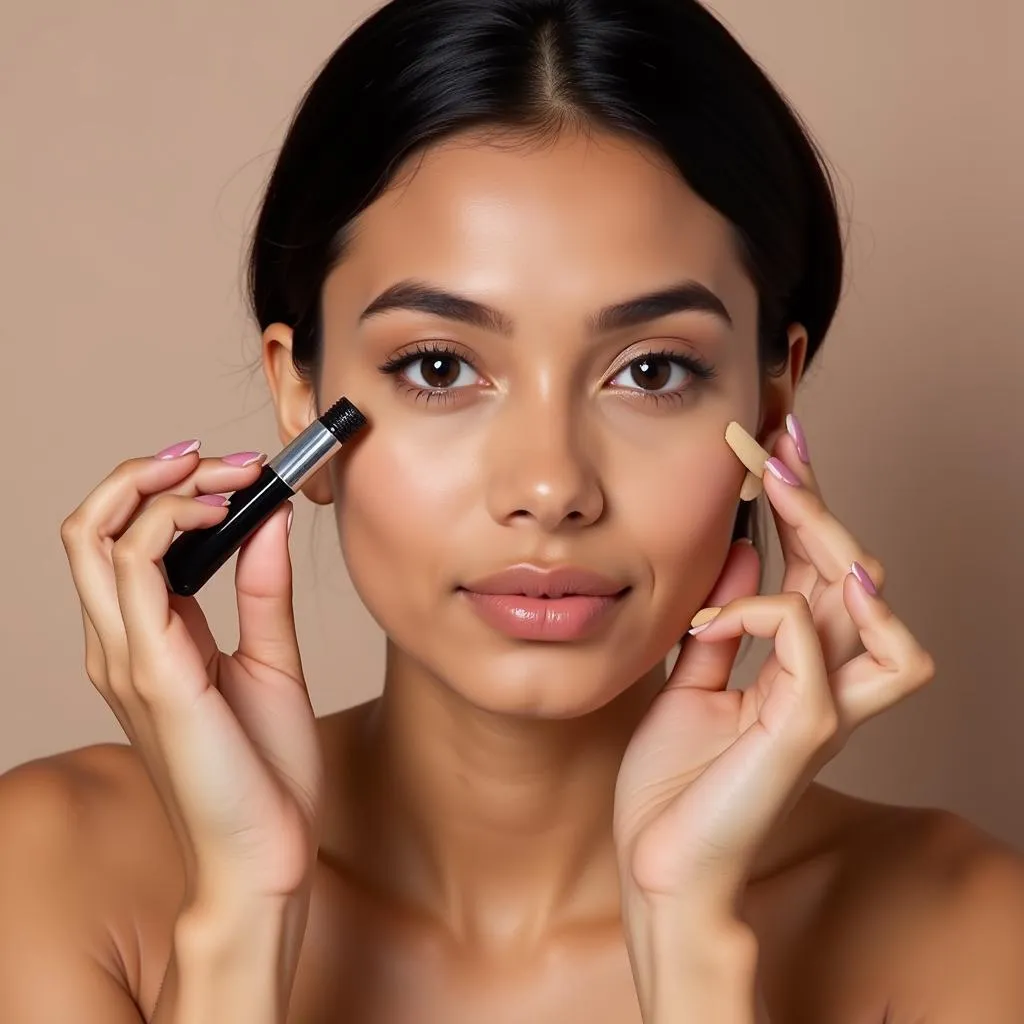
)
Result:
{"points": [[699, 370]]}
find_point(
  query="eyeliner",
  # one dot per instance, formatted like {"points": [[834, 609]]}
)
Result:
{"points": [[196, 555]]}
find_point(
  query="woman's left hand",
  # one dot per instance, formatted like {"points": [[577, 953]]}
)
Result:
{"points": [[710, 770]]}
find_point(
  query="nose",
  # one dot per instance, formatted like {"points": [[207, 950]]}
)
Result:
{"points": [[542, 469]]}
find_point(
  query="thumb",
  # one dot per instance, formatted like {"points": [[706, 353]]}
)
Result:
{"points": [[263, 584], [707, 665]]}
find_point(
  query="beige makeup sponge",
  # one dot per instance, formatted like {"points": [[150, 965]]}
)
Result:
{"points": [[752, 455]]}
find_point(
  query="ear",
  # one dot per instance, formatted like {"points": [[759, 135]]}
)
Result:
{"points": [[780, 391], [294, 401]]}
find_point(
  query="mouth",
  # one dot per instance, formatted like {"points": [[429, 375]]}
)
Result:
{"points": [[531, 603], [533, 581]]}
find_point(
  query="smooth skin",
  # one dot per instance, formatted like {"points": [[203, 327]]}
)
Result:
{"points": [[513, 831]]}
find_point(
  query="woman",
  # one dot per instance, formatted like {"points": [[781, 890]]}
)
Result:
{"points": [[552, 249]]}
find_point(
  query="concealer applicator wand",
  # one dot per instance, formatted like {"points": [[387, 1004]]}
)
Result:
{"points": [[196, 555]]}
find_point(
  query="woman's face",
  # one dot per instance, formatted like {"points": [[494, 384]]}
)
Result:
{"points": [[551, 438]]}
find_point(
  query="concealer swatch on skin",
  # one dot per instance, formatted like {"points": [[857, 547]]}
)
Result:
{"points": [[752, 455]]}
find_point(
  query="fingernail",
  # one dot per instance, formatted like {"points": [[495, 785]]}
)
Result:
{"points": [[796, 431], [212, 499], [702, 620], [177, 450], [864, 579], [782, 472], [242, 458], [291, 516]]}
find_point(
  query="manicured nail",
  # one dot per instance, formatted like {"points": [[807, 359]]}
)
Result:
{"points": [[177, 450], [291, 516], [212, 499], [242, 458], [702, 620], [864, 579], [799, 438], [782, 472]]}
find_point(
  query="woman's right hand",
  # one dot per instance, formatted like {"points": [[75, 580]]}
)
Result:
{"points": [[230, 741]]}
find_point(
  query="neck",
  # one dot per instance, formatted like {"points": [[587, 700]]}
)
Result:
{"points": [[499, 827]]}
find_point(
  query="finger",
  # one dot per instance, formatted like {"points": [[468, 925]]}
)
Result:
{"points": [[212, 476], [89, 562], [708, 666], [263, 584], [818, 551], [799, 696], [142, 590], [90, 530], [824, 542], [796, 454], [837, 633], [110, 507], [893, 665], [799, 572], [97, 669]]}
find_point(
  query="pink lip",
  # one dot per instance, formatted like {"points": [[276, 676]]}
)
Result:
{"points": [[541, 618], [535, 582], [528, 603]]}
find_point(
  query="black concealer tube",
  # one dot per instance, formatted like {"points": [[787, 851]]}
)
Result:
{"points": [[196, 555]]}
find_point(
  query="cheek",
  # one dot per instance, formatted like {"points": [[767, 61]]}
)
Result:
{"points": [[679, 510], [398, 502]]}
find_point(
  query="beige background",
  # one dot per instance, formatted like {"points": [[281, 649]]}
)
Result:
{"points": [[135, 141]]}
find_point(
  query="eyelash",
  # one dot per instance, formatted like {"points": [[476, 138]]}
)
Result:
{"points": [[702, 371]]}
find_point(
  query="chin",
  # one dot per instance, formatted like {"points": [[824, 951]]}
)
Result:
{"points": [[544, 681]]}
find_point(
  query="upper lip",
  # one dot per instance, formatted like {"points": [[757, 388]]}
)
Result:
{"points": [[533, 581]]}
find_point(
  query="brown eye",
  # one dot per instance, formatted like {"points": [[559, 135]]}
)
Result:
{"points": [[439, 371], [663, 375], [651, 373], [433, 371]]}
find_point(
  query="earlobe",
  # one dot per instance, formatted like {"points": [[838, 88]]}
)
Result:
{"points": [[294, 400]]}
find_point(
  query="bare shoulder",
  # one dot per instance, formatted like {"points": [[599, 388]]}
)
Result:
{"points": [[930, 908], [99, 806], [86, 847]]}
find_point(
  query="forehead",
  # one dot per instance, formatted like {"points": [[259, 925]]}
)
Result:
{"points": [[585, 213]]}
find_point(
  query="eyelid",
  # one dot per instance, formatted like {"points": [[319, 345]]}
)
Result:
{"points": [[654, 347], [427, 346]]}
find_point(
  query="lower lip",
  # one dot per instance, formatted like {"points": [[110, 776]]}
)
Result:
{"points": [[543, 618]]}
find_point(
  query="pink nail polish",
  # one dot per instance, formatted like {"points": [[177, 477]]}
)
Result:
{"points": [[782, 472], [242, 458], [212, 499], [864, 579], [796, 431], [177, 450]]}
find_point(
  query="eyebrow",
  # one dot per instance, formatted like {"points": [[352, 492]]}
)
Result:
{"points": [[419, 296]]}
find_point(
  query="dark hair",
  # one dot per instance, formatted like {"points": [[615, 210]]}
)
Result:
{"points": [[665, 72]]}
